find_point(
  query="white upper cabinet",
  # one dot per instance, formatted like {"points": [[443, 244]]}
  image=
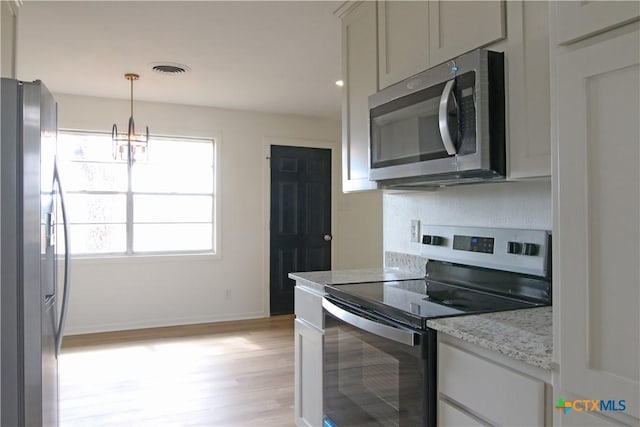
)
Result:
{"points": [[416, 35], [528, 98], [456, 27], [386, 42], [581, 19], [403, 40], [360, 75]]}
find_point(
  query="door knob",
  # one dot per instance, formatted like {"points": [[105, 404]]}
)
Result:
{"points": [[327, 237]]}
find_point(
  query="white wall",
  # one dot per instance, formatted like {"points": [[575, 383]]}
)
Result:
{"points": [[8, 11], [359, 244], [115, 294], [509, 205]]}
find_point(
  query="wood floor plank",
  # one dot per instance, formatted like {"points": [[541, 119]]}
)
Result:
{"points": [[222, 374]]}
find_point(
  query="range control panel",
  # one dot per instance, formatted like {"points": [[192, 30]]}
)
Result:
{"points": [[523, 251]]}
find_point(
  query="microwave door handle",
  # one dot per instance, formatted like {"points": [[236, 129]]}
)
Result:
{"points": [[401, 336], [443, 117]]}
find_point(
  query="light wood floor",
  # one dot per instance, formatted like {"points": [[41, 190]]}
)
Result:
{"points": [[223, 374]]}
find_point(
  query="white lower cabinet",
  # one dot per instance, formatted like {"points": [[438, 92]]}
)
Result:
{"points": [[586, 419], [475, 391], [308, 374], [308, 343]]}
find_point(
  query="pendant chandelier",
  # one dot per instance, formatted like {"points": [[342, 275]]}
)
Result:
{"points": [[128, 145]]}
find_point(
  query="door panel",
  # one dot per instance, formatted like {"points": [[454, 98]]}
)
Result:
{"points": [[598, 220], [300, 218], [403, 40], [580, 19], [288, 208]]}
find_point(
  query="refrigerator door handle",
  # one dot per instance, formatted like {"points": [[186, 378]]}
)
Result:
{"points": [[65, 295]]}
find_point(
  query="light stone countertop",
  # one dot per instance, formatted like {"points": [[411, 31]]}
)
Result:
{"points": [[317, 279], [524, 335]]}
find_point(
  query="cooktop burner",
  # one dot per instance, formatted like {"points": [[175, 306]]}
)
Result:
{"points": [[416, 301]]}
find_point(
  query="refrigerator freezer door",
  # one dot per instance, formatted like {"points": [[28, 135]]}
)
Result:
{"points": [[29, 365]]}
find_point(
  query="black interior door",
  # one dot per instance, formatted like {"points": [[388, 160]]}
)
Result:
{"points": [[300, 218]]}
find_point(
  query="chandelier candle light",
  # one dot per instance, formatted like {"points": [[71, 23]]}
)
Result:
{"points": [[129, 142]]}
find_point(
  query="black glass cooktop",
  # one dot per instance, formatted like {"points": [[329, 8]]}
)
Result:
{"points": [[416, 301]]}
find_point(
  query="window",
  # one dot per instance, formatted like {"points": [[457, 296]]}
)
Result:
{"points": [[164, 204]]}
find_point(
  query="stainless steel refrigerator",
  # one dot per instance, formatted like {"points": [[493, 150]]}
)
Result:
{"points": [[33, 226]]}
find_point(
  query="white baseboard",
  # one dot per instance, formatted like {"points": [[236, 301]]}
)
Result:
{"points": [[159, 323]]}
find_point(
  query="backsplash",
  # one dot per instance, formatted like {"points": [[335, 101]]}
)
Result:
{"points": [[406, 262], [510, 205]]}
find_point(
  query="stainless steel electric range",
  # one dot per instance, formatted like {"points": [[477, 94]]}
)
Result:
{"points": [[379, 353]]}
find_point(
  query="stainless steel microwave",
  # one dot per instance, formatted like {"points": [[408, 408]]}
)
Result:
{"points": [[443, 126]]}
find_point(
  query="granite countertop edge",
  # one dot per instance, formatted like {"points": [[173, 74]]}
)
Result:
{"points": [[318, 279], [524, 335]]}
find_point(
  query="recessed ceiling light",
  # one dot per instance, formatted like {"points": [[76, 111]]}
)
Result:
{"points": [[339, 83], [169, 68]]}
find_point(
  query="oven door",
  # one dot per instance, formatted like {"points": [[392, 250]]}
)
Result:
{"points": [[376, 372]]}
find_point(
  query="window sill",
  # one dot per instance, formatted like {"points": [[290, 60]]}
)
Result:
{"points": [[144, 258]]}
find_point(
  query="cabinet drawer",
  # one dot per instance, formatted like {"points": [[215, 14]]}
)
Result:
{"points": [[450, 416], [497, 393], [308, 306]]}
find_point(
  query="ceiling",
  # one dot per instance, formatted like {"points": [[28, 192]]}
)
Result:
{"points": [[269, 56]]}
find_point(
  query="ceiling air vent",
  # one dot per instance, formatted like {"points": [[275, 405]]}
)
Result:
{"points": [[167, 68]]}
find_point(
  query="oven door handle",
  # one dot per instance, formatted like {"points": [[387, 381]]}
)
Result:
{"points": [[399, 335]]}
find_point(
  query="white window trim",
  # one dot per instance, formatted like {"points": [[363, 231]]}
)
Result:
{"points": [[169, 256]]}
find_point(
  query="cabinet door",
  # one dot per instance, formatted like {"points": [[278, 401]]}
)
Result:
{"points": [[403, 40], [597, 220], [308, 374], [456, 27], [527, 61], [359, 71], [581, 19], [582, 418]]}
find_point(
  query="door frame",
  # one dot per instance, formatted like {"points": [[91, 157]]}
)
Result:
{"points": [[268, 141]]}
